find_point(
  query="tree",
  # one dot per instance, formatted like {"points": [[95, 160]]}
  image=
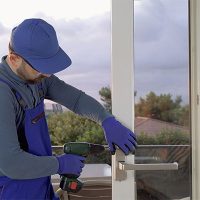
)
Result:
{"points": [[165, 137], [105, 95], [163, 107], [184, 116], [70, 127]]}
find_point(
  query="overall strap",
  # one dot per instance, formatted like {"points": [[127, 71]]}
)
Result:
{"points": [[17, 94]]}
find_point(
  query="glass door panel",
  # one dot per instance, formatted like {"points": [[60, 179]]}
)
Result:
{"points": [[161, 67]]}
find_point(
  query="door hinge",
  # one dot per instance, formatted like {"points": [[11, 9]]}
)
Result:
{"points": [[197, 99]]}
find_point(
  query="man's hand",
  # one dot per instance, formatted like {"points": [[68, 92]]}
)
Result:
{"points": [[70, 164], [117, 134]]}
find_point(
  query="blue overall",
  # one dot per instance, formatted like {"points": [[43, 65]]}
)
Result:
{"points": [[37, 142]]}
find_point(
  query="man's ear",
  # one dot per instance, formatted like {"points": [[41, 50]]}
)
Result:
{"points": [[15, 59]]}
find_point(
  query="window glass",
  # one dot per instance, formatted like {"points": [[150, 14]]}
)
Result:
{"points": [[161, 60]]}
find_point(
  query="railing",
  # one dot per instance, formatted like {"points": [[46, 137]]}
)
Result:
{"points": [[153, 183]]}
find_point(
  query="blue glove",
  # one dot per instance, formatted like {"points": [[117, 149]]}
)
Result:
{"points": [[70, 164], [117, 134]]}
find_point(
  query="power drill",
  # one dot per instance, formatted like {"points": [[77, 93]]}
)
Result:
{"points": [[70, 182]]}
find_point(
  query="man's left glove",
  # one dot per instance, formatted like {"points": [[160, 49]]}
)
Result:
{"points": [[117, 134], [70, 164]]}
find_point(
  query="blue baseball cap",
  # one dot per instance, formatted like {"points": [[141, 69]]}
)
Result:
{"points": [[35, 40]]}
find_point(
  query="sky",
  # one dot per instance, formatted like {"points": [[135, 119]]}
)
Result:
{"points": [[161, 47], [84, 32]]}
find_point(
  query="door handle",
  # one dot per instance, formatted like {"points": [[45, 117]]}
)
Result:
{"points": [[121, 168], [157, 166]]}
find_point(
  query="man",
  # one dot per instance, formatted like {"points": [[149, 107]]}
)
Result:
{"points": [[26, 78]]}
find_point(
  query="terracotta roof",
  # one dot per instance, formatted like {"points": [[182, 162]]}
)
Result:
{"points": [[155, 126]]}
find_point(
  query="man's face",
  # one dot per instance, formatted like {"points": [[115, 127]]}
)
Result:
{"points": [[30, 75]]}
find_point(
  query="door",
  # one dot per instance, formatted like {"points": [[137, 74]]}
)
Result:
{"points": [[151, 75]]}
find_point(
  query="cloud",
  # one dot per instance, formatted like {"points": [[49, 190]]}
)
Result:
{"points": [[161, 47], [3, 29], [161, 51], [4, 39], [149, 20], [87, 41]]}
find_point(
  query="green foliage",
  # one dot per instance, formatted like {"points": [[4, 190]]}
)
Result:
{"points": [[184, 116], [69, 127], [144, 139], [164, 108], [161, 107], [165, 137], [95, 135], [105, 94]]}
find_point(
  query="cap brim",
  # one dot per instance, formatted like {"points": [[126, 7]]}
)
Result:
{"points": [[51, 65]]}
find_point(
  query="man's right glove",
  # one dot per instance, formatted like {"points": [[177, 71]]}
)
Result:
{"points": [[117, 134], [70, 164]]}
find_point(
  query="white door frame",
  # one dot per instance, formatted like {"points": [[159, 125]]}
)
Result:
{"points": [[195, 90], [122, 87]]}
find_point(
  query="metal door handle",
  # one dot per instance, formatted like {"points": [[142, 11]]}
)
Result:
{"points": [[157, 166], [121, 168]]}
